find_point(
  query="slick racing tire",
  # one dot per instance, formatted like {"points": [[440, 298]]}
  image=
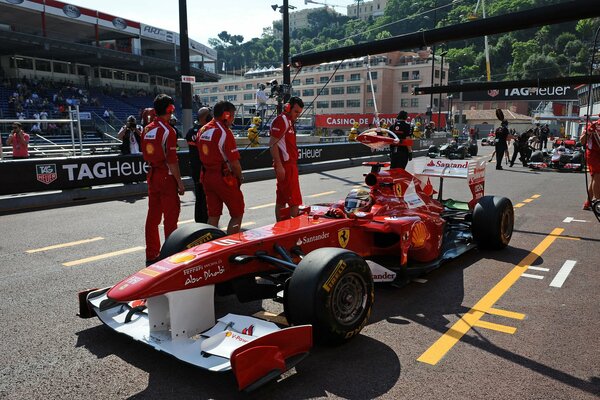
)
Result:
{"points": [[493, 222], [189, 236], [331, 289]]}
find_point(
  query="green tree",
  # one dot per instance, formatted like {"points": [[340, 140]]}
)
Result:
{"points": [[540, 66]]}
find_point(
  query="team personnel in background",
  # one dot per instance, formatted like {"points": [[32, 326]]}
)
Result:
{"points": [[401, 155], [148, 115], [200, 211], [159, 144], [502, 135], [285, 158], [19, 141], [591, 140], [221, 170], [544, 133], [261, 101], [131, 137]]}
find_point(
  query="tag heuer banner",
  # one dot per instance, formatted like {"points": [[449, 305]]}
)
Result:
{"points": [[527, 94]]}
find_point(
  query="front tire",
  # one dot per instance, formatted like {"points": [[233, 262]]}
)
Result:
{"points": [[189, 236], [493, 222], [332, 289]]}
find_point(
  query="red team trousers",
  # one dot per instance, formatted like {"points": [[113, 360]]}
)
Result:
{"points": [[162, 200]]}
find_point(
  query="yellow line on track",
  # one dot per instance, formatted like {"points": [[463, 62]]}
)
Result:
{"points": [[321, 194], [496, 327], [60, 246], [507, 314], [519, 205], [262, 206], [527, 200], [535, 196], [103, 256], [435, 353]]}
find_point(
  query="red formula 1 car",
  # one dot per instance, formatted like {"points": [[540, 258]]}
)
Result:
{"points": [[322, 265]]}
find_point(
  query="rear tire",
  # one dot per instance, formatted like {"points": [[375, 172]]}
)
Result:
{"points": [[189, 236], [332, 289], [493, 222]]}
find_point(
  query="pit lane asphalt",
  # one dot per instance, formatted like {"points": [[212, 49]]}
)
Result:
{"points": [[47, 352]]}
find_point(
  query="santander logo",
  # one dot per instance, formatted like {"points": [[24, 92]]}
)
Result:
{"points": [[448, 164]]}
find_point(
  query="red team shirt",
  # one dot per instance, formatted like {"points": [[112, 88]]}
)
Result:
{"points": [[288, 151], [216, 145], [159, 144]]}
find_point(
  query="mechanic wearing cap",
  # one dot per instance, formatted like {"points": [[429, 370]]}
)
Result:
{"points": [[401, 155], [591, 140], [200, 210], [159, 144], [19, 141], [502, 135], [221, 170], [131, 137], [285, 158]]}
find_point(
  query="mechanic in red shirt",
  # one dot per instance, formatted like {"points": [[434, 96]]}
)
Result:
{"points": [[159, 145], [221, 170], [285, 158], [591, 140]]}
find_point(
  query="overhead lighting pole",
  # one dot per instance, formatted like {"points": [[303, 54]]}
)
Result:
{"points": [[184, 54], [285, 11]]}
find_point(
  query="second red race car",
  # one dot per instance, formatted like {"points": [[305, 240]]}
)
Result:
{"points": [[321, 265]]}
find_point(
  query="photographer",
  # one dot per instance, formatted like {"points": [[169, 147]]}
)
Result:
{"points": [[19, 141], [131, 136]]}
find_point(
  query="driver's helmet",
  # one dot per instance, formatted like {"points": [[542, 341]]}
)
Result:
{"points": [[561, 149], [358, 200]]}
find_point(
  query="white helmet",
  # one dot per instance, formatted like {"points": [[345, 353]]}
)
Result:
{"points": [[358, 200]]}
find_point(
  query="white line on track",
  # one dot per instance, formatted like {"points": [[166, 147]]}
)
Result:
{"points": [[532, 276], [568, 220], [563, 273], [539, 268], [419, 280]]}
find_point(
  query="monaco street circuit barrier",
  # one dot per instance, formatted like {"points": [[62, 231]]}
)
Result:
{"points": [[51, 174]]}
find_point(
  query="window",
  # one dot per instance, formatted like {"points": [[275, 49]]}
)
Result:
{"points": [[249, 86], [370, 103], [414, 102], [310, 81], [118, 75], [353, 89], [437, 74], [325, 91], [352, 103], [230, 97], [323, 79], [131, 77], [337, 90], [62, 68], [369, 88], [214, 99], [296, 82], [404, 75], [204, 100], [443, 74], [322, 104], [337, 104], [373, 75], [338, 78], [308, 92], [355, 77], [296, 93], [248, 96], [214, 89], [205, 90], [404, 88], [24, 63], [43, 65], [403, 102], [144, 79], [416, 75]]}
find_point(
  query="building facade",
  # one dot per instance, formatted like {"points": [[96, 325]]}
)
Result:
{"points": [[342, 87], [365, 9]]}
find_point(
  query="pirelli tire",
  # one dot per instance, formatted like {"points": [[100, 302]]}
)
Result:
{"points": [[188, 236], [332, 289], [493, 222]]}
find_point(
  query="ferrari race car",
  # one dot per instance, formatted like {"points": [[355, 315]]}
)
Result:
{"points": [[453, 150], [566, 155], [321, 265]]}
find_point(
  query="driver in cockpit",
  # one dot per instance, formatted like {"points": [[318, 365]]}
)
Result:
{"points": [[358, 200]]}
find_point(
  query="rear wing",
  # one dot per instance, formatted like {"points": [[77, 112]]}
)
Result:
{"points": [[472, 171]]}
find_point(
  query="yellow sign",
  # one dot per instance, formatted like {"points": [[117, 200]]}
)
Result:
{"points": [[344, 237]]}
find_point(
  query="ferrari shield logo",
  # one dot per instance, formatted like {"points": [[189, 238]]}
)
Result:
{"points": [[344, 237], [46, 173], [398, 190]]}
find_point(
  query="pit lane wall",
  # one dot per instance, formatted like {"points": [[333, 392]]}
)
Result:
{"points": [[56, 182]]}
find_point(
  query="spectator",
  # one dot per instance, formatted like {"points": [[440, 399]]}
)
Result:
{"points": [[19, 141], [131, 137]]}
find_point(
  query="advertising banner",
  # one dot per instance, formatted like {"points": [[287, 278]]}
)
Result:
{"points": [[527, 94], [365, 120]]}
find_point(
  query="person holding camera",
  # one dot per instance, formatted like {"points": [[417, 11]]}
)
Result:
{"points": [[200, 211], [285, 158], [19, 141], [221, 169], [159, 147], [131, 137]]}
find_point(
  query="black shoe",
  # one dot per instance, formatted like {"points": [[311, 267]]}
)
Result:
{"points": [[511, 164], [500, 168]]}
